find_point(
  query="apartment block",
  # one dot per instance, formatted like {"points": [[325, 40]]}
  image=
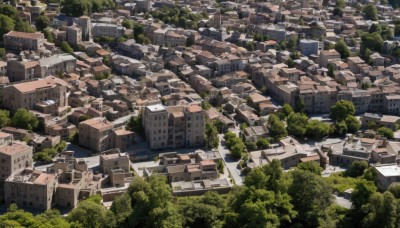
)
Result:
{"points": [[94, 134], [114, 159], [13, 156], [328, 56], [18, 41], [174, 127], [30, 188], [107, 30], [27, 94]]}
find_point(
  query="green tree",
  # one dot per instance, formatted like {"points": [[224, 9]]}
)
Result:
{"points": [[4, 118], [285, 111], [205, 105], [276, 127], [342, 109], [42, 22], [357, 169], [23, 26], [250, 146], [121, 207], [237, 150], [92, 214], [135, 124], [311, 196], [211, 137], [341, 128], [311, 166], [297, 124], [75, 8], [337, 12], [342, 48], [361, 193], [386, 132], [340, 4], [353, 124], [376, 27], [8, 11], [66, 48], [381, 211], [6, 25], [299, 105], [371, 13], [317, 129], [24, 119], [394, 188], [229, 135], [48, 35], [262, 143], [127, 24]]}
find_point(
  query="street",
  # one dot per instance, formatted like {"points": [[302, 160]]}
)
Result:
{"points": [[230, 163]]}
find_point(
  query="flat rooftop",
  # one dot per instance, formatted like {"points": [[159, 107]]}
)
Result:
{"points": [[389, 171]]}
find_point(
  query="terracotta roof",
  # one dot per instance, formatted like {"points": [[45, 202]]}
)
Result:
{"points": [[25, 35], [13, 149], [44, 179], [194, 108]]}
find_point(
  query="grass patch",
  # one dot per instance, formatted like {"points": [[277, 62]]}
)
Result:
{"points": [[340, 183]]}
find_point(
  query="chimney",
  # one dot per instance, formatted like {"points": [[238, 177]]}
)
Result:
{"points": [[384, 141]]}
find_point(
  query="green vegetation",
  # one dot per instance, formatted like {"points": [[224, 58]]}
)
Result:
{"points": [[234, 144], [135, 124], [77, 8], [297, 124], [65, 47], [42, 22], [211, 137], [180, 17], [262, 143], [276, 127], [342, 48], [370, 12], [342, 109], [24, 119], [46, 155], [386, 132]]}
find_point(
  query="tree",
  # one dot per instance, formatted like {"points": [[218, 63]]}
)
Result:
{"points": [[135, 124], [381, 211], [394, 188], [262, 143], [23, 26], [361, 193], [229, 135], [342, 109], [371, 41], [342, 48], [317, 129], [127, 24], [211, 137], [337, 12], [75, 8], [370, 12], [311, 196], [386, 132], [299, 105], [4, 118], [6, 25], [340, 4], [311, 166], [121, 207], [8, 11], [257, 178], [48, 35], [285, 111], [250, 146], [42, 22], [276, 127], [90, 213], [24, 119], [66, 48], [357, 169], [353, 124], [297, 124], [237, 150], [341, 128], [376, 27], [205, 105]]}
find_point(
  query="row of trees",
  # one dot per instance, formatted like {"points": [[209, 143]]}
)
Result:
{"points": [[21, 119], [298, 124], [180, 17], [77, 8]]}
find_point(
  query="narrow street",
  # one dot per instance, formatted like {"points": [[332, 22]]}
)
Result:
{"points": [[230, 163]]}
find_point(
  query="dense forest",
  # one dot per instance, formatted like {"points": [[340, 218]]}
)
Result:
{"points": [[270, 197]]}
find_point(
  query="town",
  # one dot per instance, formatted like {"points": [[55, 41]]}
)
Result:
{"points": [[211, 113]]}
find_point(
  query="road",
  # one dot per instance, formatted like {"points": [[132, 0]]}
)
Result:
{"points": [[230, 163]]}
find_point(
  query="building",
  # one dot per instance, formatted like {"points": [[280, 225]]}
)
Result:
{"points": [[85, 24], [57, 64], [107, 30], [74, 35], [309, 47], [19, 41], [30, 188], [22, 70], [95, 134], [174, 127], [27, 94], [328, 56], [387, 174], [114, 159], [13, 156]]}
